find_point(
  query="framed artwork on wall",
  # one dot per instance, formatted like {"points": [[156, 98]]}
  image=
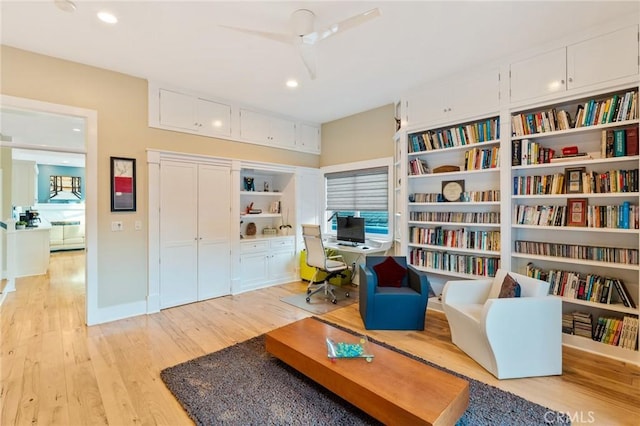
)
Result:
{"points": [[577, 212], [123, 184], [573, 180]]}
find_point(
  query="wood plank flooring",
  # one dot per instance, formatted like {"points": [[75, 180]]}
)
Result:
{"points": [[57, 371]]}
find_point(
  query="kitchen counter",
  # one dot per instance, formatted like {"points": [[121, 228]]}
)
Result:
{"points": [[31, 251]]}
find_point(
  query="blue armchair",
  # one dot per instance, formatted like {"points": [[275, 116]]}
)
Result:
{"points": [[393, 296]]}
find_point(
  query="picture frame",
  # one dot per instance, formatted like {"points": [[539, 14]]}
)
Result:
{"points": [[452, 190], [123, 184], [577, 212], [573, 180]]}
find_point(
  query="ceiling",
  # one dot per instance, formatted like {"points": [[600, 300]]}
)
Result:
{"points": [[182, 43]]}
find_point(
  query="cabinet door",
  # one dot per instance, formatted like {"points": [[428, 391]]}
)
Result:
{"points": [[282, 132], [281, 265], [177, 110], [309, 139], [213, 118], [475, 94], [604, 58], [214, 227], [23, 183], [538, 76], [254, 270], [254, 126], [427, 105], [178, 233]]}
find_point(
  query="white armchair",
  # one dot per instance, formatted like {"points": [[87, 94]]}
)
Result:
{"points": [[509, 337]]}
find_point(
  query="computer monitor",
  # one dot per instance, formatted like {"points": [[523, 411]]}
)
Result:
{"points": [[350, 229]]}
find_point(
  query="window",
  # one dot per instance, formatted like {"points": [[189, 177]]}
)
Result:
{"points": [[361, 193]]}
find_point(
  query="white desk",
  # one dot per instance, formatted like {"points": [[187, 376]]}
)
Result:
{"points": [[354, 255]]}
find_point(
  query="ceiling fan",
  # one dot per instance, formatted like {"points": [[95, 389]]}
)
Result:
{"points": [[305, 37]]}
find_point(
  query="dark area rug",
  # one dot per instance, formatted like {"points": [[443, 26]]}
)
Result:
{"points": [[244, 385]]}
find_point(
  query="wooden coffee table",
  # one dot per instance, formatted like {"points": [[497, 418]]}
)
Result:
{"points": [[393, 388]]}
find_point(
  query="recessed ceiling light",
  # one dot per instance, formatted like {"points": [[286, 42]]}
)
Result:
{"points": [[107, 17], [65, 5], [75, 129], [292, 83]]}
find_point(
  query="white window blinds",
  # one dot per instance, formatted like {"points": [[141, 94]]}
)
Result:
{"points": [[358, 190]]}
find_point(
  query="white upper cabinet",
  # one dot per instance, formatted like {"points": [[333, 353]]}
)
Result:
{"points": [[476, 93], [601, 59], [179, 110], [604, 58], [194, 114], [538, 76], [464, 97], [23, 183], [308, 139], [267, 129]]}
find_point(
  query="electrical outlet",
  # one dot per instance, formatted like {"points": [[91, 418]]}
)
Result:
{"points": [[117, 226]]}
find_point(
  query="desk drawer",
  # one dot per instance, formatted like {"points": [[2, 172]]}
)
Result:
{"points": [[253, 246]]}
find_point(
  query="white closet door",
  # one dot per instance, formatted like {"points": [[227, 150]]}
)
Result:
{"points": [[214, 231], [178, 233]]}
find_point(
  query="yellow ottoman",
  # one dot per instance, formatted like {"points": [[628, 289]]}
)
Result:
{"points": [[306, 271]]}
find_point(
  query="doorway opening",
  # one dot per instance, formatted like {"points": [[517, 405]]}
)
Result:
{"points": [[61, 141]]}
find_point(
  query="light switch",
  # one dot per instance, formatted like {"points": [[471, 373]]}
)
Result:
{"points": [[138, 225], [117, 226]]}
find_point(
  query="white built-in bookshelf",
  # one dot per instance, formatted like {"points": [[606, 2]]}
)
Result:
{"points": [[549, 189]]}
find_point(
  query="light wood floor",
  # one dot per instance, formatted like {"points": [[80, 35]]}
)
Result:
{"points": [[57, 371]]}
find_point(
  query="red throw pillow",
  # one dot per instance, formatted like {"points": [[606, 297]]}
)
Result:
{"points": [[390, 273], [509, 288]]}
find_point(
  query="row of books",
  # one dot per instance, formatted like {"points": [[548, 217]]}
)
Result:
{"points": [[592, 182], [539, 184], [622, 216], [591, 287], [456, 217], [622, 332], [540, 215], [478, 132], [614, 331], [581, 324], [625, 256], [544, 121], [452, 262], [619, 142], [526, 152], [619, 107], [455, 238], [466, 197], [418, 166], [611, 181], [477, 159]]}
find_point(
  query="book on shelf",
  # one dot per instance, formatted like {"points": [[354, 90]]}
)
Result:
{"points": [[619, 143], [632, 140], [580, 156], [629, 333], [623, 293]]}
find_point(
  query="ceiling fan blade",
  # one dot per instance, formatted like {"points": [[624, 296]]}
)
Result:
{"points": [[338, 27], [308, 56], [282, 38]]}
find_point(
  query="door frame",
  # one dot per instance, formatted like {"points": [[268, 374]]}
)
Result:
{"points": [[154, 159], [91, 186]]}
